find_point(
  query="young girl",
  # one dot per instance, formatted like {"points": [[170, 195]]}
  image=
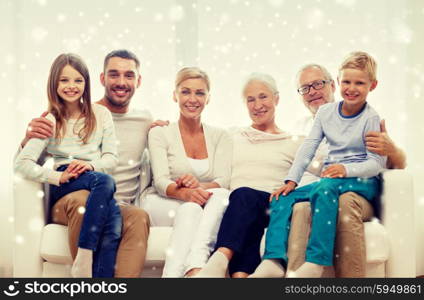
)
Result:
{"points": [[83, 147]]}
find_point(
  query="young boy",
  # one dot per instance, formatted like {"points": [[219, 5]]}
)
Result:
{"points": [[348, 167]]}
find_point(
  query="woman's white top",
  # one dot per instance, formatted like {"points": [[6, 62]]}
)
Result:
{"points": [[199, 166], [262, 160], [169, 159]]}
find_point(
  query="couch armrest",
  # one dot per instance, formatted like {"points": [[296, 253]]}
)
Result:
{"points": [[398, 219], [29, 221]]}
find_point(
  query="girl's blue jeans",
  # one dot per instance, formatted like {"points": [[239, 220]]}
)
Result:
{"points": [[324, 198], [102, 222]]}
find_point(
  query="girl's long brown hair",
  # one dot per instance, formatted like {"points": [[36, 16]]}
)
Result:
{"points": [[57, 106]]}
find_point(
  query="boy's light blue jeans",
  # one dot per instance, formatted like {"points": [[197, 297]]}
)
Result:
{"points": [[102, 222], [324, 198]]}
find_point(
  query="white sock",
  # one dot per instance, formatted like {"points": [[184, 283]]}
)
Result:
{"points": [[83, 264], [307, 270], [216, 267], [268, 268]]}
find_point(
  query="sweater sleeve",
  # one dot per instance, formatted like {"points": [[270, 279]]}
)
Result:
{"points": [[41, 160], [223, 159], [109, 153], [306, 152], [26, 161], [159, 160], [374, 163]]}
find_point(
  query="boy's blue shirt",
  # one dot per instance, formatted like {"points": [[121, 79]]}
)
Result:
{"points": [[346, 142]]}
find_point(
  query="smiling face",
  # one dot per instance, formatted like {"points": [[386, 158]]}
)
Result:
{"points": [[120, 79], [261, 103], [192, 95], [71, 84], [354, 86], [315, 98]]}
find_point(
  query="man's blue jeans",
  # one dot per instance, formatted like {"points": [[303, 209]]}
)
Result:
{"points": [[102, 223]]}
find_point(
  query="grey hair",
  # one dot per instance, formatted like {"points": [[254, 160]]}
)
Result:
{"points": [[266, 79], [327, 74]]}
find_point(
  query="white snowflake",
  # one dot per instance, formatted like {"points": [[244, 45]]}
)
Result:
{"points": [[35, 224], [169, 252], [19, 239], [61, 18], [39, 34], [176, 13], [402, 33], [171, 213], [314, 18]]}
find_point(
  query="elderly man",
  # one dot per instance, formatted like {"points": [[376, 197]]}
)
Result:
{"points": [[316, 87]]}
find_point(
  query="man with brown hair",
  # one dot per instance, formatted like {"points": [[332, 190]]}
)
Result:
{"points": [[120, 77]]}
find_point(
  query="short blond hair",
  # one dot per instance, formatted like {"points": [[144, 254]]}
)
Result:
{"points": [[360, 60], [191, 73]]}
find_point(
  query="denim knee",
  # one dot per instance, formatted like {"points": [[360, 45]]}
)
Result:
{"points": [[116, 220], [105, 181]]}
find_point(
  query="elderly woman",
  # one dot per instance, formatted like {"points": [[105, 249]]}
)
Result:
{"points": [[263, 155], [191, 172]]}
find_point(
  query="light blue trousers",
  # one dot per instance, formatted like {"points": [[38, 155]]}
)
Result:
{"points": [[324, 198]]}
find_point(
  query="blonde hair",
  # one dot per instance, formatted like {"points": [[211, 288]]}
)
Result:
{"points": [[191, 73], [360, 60], [57, 106]]}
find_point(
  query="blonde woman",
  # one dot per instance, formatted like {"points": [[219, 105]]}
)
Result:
{"points": [[191, 163]]}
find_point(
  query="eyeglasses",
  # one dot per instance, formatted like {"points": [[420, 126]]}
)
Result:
{"points": [[317, 85]]}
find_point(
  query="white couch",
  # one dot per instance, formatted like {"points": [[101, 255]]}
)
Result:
{"points": [[42, 250]]}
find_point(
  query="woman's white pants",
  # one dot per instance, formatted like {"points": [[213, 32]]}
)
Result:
{"points": [[195, 229]]}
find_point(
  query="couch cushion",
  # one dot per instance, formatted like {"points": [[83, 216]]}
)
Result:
{"points": [[54, 245], [376, 242], [158, 243]]}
